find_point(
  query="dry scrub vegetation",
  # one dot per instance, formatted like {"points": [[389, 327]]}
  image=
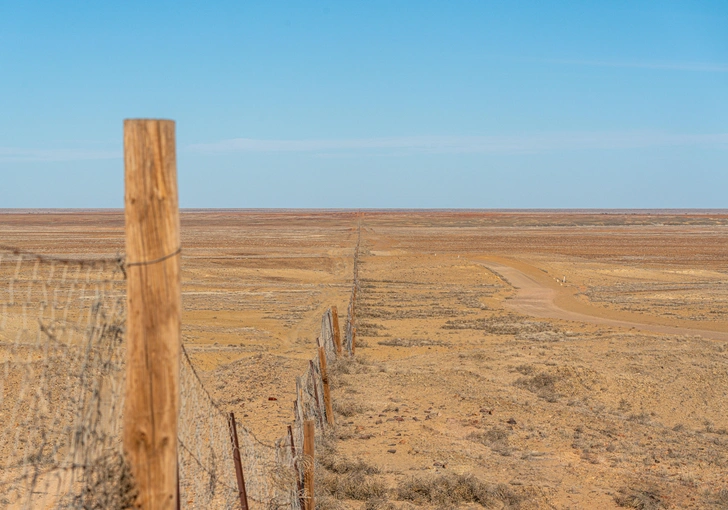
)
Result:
{"points": [[455, 399]]}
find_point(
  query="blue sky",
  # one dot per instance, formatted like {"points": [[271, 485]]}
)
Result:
{"points": [[371, 104]]}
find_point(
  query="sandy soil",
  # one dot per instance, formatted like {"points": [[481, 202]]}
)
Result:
{"points": [[603, 391], [538, 299]]}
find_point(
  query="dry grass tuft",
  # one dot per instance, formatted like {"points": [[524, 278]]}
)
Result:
{"points": [[411, 342], [370, 329], [348, 409], [449, 490], [356, 485], [339, 477], [525, 369], [721, 498], [492, 435], [503, 325], [639, 499], [716, 499], [642, 418], [379, 504], [361, 343], [495, 438], [327, 502], [343, 465], [346, 365], [542, 384]]}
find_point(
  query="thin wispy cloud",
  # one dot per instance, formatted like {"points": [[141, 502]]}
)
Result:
{"points": [[55, 155], [708, 67], [404, 145], [467, 144]]}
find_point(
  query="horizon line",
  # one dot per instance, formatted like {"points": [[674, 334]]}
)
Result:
{"points": [[659, 210]]}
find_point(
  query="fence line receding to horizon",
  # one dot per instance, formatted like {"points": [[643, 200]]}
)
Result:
{"points": [[72, 431]]}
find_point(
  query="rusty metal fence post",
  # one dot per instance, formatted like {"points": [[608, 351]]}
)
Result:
{"points": [[238, 463]]}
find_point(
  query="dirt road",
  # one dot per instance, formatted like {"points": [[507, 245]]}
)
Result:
{"points": [[536, 299]]}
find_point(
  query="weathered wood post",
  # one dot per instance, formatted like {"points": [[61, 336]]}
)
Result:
{"points": [[309, 431], [327, 387], [153, 310], [335, 327]]}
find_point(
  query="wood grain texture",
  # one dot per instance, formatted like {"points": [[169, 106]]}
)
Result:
{"points": [[153, 310]]}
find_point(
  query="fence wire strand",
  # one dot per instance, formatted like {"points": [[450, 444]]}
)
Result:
{"points": [[349, 329], [309, 403], [207, 471], [61, 379], [62, 350]]}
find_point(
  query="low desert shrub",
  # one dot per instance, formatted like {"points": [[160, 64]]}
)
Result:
{"points": [[411, 342], [542, 384], [448, 490], [639, 499], [379, 504], [348, 408], [341, 477], [495, 438], [355, 485]]}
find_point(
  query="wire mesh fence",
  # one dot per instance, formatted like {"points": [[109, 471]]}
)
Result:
{"points": [[313, 398], [350, 327], [62, 395], [62, 366], [312, 392], [206, 463], [61, 380]]}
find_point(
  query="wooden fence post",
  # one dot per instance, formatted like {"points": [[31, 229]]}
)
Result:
{"points": [[327, 388], [238, 463], [309, 432], [353, 340], [335, 327], [153, 310]]}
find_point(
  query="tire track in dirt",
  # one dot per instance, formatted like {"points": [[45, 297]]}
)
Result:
{"points": [[535, 299]]}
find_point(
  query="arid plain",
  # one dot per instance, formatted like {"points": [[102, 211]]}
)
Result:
{"points": [[511, 359]]}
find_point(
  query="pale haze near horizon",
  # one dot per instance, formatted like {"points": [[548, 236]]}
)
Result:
{"points": [[344, 105]]}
